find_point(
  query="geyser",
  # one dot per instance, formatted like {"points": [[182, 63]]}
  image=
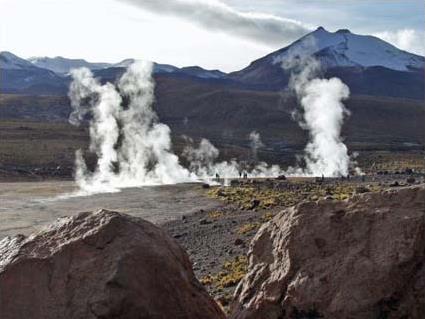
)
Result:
{"points": [[203, 162], [322, 114], [255, 143], [132, 147]]}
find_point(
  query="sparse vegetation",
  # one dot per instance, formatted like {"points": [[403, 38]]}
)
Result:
{"points": [[246, 228], [283, 194], [233, 271], [215, 214], [267, 217]]}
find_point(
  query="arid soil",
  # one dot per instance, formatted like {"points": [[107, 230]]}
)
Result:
{"points": [[214, 224], [26, 207], [217, 240]]}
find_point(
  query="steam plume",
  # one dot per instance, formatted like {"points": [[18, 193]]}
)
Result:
{"points": [[322, 115], [256, 143], [203, 162], [132, 147]]}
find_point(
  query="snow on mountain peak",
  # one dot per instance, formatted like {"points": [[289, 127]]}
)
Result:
{"points": [[343, 48]]}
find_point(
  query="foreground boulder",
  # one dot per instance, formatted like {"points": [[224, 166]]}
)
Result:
{"points": [[100, 265], [362, 258]]}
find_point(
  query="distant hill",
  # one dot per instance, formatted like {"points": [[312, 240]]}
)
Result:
{"points": [[51, 75], [21, 76], [226, 115], [63, 65]]}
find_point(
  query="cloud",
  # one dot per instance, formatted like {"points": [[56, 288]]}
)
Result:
{"points": [[217, 16], [405, 39]]}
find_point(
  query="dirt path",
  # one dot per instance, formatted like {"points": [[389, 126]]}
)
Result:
{"points": [[27, 207]]}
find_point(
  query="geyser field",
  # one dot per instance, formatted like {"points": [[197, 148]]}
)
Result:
{"points": [[133, 148], [131, 154], [212, 159], [212, 206]]}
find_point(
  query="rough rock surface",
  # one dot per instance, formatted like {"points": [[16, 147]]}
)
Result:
{"points": [[360, 258], [100, 265]]}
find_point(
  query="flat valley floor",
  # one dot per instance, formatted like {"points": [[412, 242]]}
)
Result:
{"points": [[28, 206]]}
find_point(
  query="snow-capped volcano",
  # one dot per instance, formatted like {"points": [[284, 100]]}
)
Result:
{"points": [[367, 64], [343, 48]]}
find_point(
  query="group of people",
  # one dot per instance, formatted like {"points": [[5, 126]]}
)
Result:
{"points": [[242, 174]]}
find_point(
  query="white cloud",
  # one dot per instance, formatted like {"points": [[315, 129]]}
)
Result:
{"points": [[214, 15], [406, 39]]}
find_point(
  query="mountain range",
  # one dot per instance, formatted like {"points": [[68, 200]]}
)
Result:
{"points": [[386, 102], [367, 64]]}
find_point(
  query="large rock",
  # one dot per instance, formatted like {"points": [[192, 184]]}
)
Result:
{"points": [[362, 258], [100, 265]]}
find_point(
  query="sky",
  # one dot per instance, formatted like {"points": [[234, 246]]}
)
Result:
{"points": [[214, 34]]}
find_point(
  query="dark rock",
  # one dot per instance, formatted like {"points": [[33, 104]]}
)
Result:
{"points": [[204, 221], [362, 189], [179, 235], [234, 182], [255, 203], [408, 171], [223, 300], [410, 180]]}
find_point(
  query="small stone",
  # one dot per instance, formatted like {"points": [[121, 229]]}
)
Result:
{"points": [[362, 189], [204, 221], [179, 235], [410, 180], [255, 203]]}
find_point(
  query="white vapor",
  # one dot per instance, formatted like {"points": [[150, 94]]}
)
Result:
{"points": [[322, 115], [203, 162], [406, 39], [255, 143], [216, 16], [132, 147]]}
